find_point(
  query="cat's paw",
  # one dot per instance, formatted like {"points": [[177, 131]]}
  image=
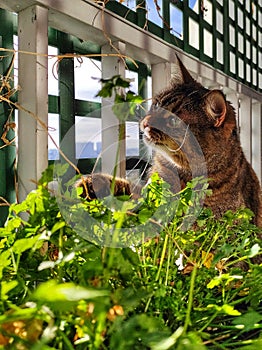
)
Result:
{"points": [[101, 185]]}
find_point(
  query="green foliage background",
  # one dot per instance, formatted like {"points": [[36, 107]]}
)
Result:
{"points": [[58, 291], [192, 287]]}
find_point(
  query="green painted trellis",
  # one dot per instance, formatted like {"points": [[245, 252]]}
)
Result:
{"points": [[7, 152], [65, 104], [235, 27], [240, 37]]}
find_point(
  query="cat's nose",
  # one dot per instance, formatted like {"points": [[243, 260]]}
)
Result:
{"points": [[145, 122]]}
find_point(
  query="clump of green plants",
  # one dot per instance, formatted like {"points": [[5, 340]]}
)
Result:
{"points": [[194, 288], [156, 273]]}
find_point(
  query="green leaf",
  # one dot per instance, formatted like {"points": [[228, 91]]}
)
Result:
{"points": [[23, 244], [121, 110], [61, 169], [121, 82], [230, 310], [13, 224], [47, 175], [19, 313], [5, 260], [39, 204], [57, 226], [41, 346], [79, 191], [6, 287], [249, 320], [131, 256], [214, 283], [225, 309], [254, 250], [253, 345], [166, 344], [65, 292], [19, 207], [191, 341], [144, 215], [110, 85], [141, 332], [106, 90], [222, 279]]}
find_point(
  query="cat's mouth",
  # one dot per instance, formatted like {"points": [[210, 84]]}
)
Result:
{"points": [[152, 135], [156, 138], [147, 133]]}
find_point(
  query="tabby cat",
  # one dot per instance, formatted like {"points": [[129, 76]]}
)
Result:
{"points": [[184, 108]]}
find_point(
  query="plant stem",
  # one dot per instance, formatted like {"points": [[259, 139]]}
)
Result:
{"points": [[14, 262], [208, 322], [143, 255], [147, 304], [60, 254], [160, 267], [170, 246], [162, 258], [67, 342], [120, 139], [190, 298]]}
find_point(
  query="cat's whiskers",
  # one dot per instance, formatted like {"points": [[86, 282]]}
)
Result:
{"points": [[96, 162], [182, 143], [143, 155], [138, 181]]}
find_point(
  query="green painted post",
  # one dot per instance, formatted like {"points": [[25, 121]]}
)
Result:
{"points": [[66, 85], [226, 38], [142, 91], [214, 36], [141, 13], [201, 32], [3, 211], [8, 153], [66, 98], [166, 16], [186, 15]]}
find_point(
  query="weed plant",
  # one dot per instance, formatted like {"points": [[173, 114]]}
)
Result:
{"points": [[190, 284], [195, 288]]}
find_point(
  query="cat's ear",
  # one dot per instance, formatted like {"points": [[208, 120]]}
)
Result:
{"points": [[185, 75], [216, 106]]}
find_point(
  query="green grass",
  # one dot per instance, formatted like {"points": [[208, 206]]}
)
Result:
{"points": [[61, 291]]}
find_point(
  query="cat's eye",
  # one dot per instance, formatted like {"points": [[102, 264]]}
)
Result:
{"points": [[155, 106], [173, 122]]}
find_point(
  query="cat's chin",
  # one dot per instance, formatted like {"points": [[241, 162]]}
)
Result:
{"points": [[148, 140], [176, 159], [159, 148]]}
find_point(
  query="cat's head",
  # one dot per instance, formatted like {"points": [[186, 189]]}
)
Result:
{"points": [[184, 114]]}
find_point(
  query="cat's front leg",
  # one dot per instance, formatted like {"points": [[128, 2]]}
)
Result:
{"points": [[101, 185]]}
